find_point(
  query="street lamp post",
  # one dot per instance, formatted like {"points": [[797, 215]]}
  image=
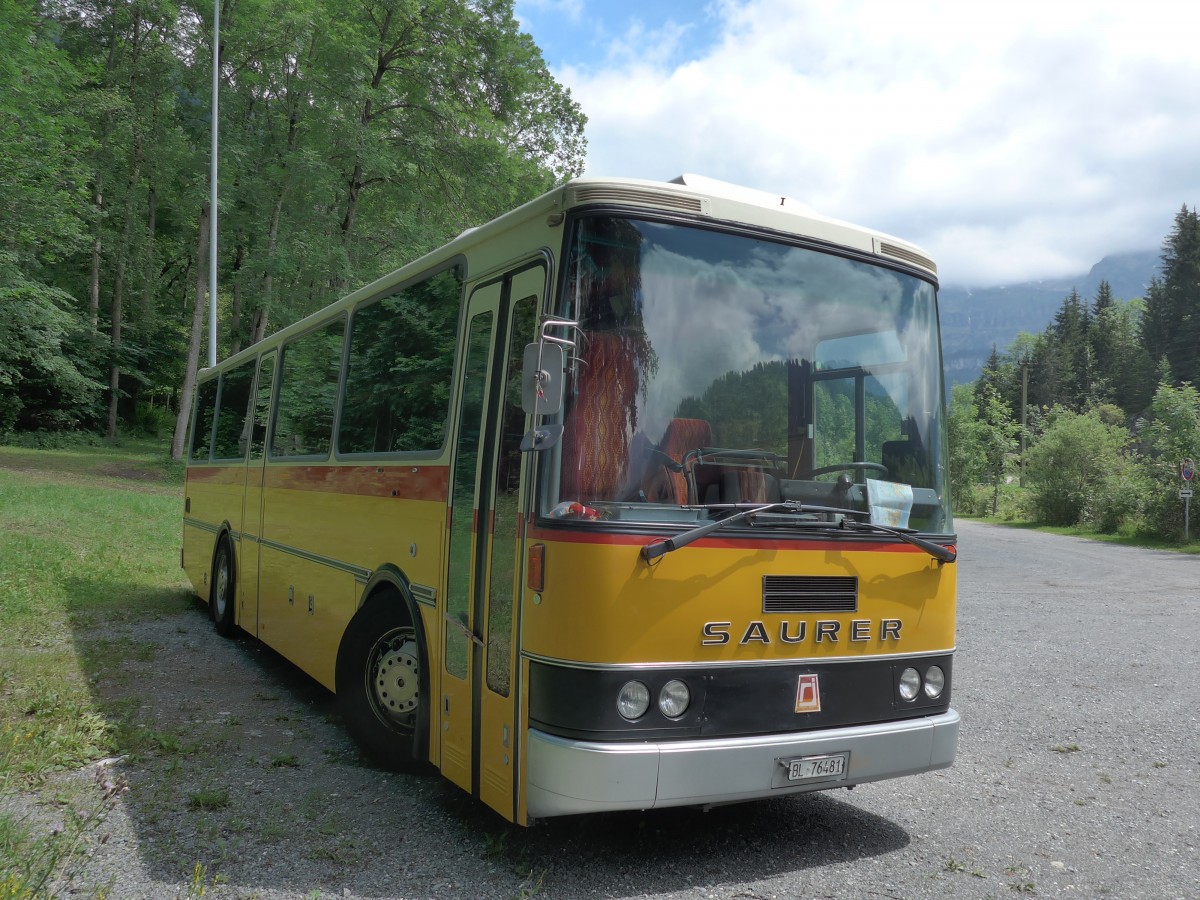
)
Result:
{"points": [[212, 196]]}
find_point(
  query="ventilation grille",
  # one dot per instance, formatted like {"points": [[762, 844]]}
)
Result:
{"points": [[810, 593], [663, 200], [907, 255]]}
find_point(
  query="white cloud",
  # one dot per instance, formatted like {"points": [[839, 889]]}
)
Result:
{"points": [[1013, 142]]}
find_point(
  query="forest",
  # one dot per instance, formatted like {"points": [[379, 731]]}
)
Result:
{"points": [[1094, 416], [355, 135]]}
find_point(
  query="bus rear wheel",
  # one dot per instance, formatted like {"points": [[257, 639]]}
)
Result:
{"points": [[220, 604], [382, 685]]}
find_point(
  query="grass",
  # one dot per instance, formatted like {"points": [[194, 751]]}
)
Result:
{"points": [[87, 535]]}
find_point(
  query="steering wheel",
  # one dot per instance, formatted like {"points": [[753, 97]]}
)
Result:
{"points": [[839, 467]]}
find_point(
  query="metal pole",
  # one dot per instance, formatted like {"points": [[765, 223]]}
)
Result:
{"points": [[1024, 406], [212, 193]]}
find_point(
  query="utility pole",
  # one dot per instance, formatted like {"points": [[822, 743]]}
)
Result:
{"points": [[1024, 404]]}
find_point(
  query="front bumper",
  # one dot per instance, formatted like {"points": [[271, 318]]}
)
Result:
{"points": [[567, 776]]}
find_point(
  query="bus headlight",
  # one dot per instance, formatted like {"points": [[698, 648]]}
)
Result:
{"points": [[910, 684], [935, 682], [633, 700], [674, 698]]}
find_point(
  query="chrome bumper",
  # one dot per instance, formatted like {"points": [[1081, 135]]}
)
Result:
{"points": [[566, 776]]}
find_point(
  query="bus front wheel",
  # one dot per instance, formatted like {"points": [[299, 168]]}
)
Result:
{"points": [[382, 681], [220, 604]]}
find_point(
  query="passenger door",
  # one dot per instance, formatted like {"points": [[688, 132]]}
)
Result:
{"points": [[478, 700]]}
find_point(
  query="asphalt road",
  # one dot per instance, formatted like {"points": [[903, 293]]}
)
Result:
{"points": [[1078, 773]]}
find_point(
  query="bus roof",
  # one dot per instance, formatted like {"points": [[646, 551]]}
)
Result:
{"points": [[689, 195]]}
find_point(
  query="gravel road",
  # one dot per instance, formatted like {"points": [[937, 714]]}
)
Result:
{"points": [[1077, 774]]}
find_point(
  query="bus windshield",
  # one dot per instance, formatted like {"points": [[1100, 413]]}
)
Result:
{"points": [[716, 368]]}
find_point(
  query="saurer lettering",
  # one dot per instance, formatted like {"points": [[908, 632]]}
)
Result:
{"points": [[793, 632]]}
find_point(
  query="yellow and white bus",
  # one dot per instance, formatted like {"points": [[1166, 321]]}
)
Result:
{"points": [[634, 497]]}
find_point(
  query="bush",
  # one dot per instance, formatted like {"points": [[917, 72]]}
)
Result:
{"points": [[1172, 435], [152, 421], [1076, 471], [51, 440], [1117, 504]]}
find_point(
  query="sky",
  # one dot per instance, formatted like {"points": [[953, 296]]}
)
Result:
{"points": [[1014, 142]]}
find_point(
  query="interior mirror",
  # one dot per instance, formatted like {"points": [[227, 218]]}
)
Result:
{"points": [[542, 379]]}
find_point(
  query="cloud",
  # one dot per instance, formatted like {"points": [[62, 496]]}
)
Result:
{"points": [[1013, 142]]}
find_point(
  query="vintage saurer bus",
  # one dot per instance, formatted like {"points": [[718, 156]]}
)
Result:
{"points": [[635, 497]]}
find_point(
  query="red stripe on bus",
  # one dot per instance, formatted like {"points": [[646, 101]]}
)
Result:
{"points": [[549, 535], [402, 482], [217, 474]]}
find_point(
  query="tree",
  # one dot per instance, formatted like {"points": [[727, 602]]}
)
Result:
{"points": [[1171, 325], [44, 383], [1171, 435], [998, 438], [965, 435], [408, 124], [1124, 375]]}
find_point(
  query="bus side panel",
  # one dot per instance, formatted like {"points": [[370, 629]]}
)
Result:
{"points": [[213, 496], [325, 529], [703, 603], [305, 610], [305, 596], [198, 557]]}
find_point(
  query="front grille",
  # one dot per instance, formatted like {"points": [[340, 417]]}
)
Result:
{"points": [[810, 593]]}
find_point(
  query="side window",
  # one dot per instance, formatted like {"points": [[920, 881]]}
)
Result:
{"points": [[202, 423], [506, 515], [308, 379], [233, 413], [466, 470], [401, 355], [262, 409]]}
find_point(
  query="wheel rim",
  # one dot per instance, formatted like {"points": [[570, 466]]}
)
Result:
{"points": [[221, 588], [394, 677]]}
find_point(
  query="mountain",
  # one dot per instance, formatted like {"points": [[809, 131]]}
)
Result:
{"points": [[973, 320]]}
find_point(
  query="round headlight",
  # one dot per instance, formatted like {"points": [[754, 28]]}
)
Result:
{"points": [[633, 700], [910, 684], [674, 698], [935, 682]]}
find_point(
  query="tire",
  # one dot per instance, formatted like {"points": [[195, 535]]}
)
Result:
{"points": [[383, 685], [221, 603]]}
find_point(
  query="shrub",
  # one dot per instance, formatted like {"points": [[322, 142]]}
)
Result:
{"points": [[1076, 468], [1171, 435]]}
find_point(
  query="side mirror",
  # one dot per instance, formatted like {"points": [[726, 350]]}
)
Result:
{"points": [[542, 379], [542, 437]]}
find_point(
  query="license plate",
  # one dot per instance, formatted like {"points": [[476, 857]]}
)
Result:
{"points": [[817, 768]]}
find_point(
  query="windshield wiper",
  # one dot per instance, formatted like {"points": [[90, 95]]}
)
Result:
{"points": [[937, 551], [655, 549]]}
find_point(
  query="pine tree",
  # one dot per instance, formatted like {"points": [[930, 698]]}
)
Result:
{"points": [[1181, 283], [1171, 324]]}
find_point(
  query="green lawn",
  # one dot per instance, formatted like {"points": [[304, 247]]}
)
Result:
{"points": [[87, 535]]}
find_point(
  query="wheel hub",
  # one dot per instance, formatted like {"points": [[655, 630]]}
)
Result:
{"points": [[397, 677], [221, 589]]}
